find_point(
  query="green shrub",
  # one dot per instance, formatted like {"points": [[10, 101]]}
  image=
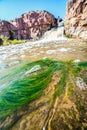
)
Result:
{"points": [[15, 41]]}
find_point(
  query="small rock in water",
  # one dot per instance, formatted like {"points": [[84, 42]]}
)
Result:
{"points": [[51, 52], [76, 61], [80, 83], [43, 128], [35, 68], [64, 49]]}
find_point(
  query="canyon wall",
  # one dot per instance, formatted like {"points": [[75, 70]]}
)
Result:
{"points": [[76, 19], [29, 25]]}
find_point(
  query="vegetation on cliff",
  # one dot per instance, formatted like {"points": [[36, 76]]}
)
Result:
{"points": [[5, 41]]}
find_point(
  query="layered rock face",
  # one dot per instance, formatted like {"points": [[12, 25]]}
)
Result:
{"points": [[29, 25], [76, 18]]}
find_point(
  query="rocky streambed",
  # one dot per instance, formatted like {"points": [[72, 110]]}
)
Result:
{"points": [[39, 85], [66, 49]]}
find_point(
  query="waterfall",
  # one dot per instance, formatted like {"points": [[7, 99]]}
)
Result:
{"points": [[53, 35]]}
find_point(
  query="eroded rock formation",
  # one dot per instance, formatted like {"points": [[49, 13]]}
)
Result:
{"points": [[76, 18], [29, 25]]}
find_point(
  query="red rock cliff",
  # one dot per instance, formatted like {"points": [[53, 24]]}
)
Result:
{"points": [[29, 25], [76, 18]]}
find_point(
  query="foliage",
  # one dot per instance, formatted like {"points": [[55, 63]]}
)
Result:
{"points": [[6, 41], [15, 41]]}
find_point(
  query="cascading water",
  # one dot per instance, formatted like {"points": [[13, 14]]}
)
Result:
{"points": [[54, 35]]}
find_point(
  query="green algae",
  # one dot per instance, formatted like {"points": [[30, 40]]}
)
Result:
{"points": [[23, 88]]}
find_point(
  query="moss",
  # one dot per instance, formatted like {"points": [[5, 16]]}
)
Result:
{"points": [[62, 83], [80, 108], [70, 90], [23, 89], [26, 88], [76, 69], [83, 64], [68, 35]]}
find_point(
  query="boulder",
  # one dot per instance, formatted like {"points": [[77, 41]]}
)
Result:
{"points": [[29, 25], [76, 19]]}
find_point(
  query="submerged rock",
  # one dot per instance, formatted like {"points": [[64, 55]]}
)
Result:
{"points": [[81, 84], [33, 69], [77, 60]]}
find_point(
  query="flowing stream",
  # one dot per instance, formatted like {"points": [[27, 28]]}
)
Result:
{"points": [[53, 44]]}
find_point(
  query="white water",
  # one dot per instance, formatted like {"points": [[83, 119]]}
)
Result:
{"points": [[53, 35], [50, 36]]}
